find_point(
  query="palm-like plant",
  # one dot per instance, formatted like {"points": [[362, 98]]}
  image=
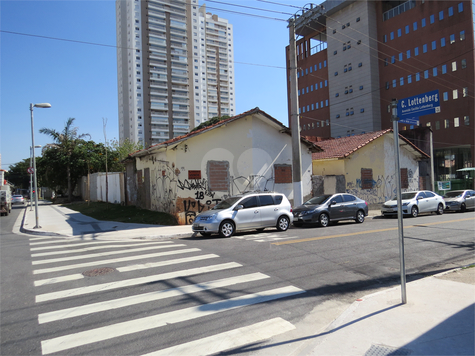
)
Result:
{"points": [[66, 141]]}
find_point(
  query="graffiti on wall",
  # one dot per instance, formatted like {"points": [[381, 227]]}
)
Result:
{"points": [[383, 188], [253, 182]]}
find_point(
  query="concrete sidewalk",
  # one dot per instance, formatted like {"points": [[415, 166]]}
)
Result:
{"points": [[438, 318], [58, 220]]}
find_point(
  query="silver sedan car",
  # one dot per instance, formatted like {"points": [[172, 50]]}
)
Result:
{"points": [[414, 203], [459, 200]]}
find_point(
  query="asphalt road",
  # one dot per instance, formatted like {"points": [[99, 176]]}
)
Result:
{"points": [[194, 289]]}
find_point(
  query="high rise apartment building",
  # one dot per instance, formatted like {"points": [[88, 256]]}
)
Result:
{"points": [[354, 57], [175, 68]]}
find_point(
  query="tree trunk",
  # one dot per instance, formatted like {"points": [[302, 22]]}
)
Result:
{"points": [[70, 193]]}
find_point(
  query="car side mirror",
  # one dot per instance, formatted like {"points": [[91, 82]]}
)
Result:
{"points": [[419, 198], [333, 202], [238, 207]]}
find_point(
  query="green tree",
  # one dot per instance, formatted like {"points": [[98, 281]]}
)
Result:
{"points": [[18, 175], [210, 122], [122, 150], [65, 142]]}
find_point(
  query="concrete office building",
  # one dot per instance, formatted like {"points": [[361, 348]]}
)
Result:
{"points": [[354, 57], [175, 68]]}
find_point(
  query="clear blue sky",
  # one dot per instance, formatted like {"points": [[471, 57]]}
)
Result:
{"points": [[79, 80]]}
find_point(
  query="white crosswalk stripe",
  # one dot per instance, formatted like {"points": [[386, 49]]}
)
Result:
{"points": [[67, 290]]}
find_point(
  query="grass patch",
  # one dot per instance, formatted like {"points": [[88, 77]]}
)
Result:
{"points": [[120, 213]]}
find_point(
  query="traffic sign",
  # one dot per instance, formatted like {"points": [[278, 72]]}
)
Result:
{"points": [[409, 109], [31, 170]]}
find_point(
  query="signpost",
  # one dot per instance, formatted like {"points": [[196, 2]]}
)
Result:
{"points": [[409, 109]]}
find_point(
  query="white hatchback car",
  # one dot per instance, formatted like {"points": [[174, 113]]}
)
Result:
{"points": [[414, 203], [253, 210]]}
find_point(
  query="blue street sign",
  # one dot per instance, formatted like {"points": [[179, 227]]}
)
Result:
{"points": [[409, 109]]}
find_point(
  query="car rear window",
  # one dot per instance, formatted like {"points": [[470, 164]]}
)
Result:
{"points": [[266, 200], [429, 194], [278, 199], [348, 197]]}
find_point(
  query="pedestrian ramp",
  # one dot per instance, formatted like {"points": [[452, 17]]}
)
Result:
{"points": [[155, 297]]}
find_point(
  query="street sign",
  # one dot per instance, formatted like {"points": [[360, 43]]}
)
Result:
{"points": [[409, 109], [30, 170]]}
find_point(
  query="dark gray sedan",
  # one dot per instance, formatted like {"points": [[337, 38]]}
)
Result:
{"points": [[332, 207]]}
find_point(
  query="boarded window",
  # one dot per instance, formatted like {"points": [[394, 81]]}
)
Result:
{"points": [[366, 178], [283, 173], [218, 175], [194, 174], [404, 179]]}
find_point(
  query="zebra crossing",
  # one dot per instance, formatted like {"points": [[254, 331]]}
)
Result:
{"points": [[265, 237], [156, 275]]}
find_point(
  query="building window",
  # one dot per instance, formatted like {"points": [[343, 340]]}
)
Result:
{"points": [[337, 95], [407, 29], [445, 95], [442, 42], [456, 122], [385, 38], [337, 116], [426, 74], [362, 110], [441, 15], [391, 36], [454, 66], [394, 83], [360, 64], [434, 45], [432, 19], [400, 57], [466, 120], [452, 39], [424, 48], [434, 72], [393, 59], [444, 68], [366, 178], [455, 94], [423, 23], [437, 125], [401, 81], [404, 178], [465, 92], [460, 7], [399, 32], [451, 11], [361, 87], [416, 51], [387, 85], [357, 19], [462, 35], [408, 53], [409, 79], [334, 31], [336, 73], [446, 123], [418, 77], [414, 26], [463, 62]]}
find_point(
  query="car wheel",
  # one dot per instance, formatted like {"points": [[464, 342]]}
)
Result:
{"points": [[298, 224], [440, 209], [463, 208], [283, 223], [205, 234], [226, 229], [414, 211], [323, 220], [359, 216]]}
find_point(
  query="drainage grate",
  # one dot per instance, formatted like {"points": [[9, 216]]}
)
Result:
{"points": [[98, 271], [381, 350]]}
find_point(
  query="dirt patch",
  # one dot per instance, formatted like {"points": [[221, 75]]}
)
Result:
{"points": [[98, 271], [464, 275]]}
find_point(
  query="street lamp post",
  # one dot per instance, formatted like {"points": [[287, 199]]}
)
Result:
{"points": [[44, 106], [31, 177]]}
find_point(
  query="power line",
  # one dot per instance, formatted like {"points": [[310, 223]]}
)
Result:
{"points": [[249, 7]]}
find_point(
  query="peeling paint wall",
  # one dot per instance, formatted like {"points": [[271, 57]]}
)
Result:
{"points": [[235, 158]]}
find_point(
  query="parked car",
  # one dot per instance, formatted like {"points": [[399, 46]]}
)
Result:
{"points": [[460, 200], [18, 199], [415, 203], [253, 210], [332, 207]]}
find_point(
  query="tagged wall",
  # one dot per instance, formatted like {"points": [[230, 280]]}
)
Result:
{"points": [[240, 156]]}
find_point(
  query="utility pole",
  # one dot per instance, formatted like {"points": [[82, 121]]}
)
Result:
{"points": [[395, 120], [295, 119]]}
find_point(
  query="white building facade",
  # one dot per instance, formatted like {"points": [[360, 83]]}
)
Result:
{"points": [[175, 68]]}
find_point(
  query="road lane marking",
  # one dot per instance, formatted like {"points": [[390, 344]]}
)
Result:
{"points": [[146, 297], [113, 260], [363, 232], [71, 243], [132, 282], [155, 321], [75, 276], [88, 249], [101, 254], [228, 340]]}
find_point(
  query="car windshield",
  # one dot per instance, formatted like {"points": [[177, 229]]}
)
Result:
{"points": [[317, 200], [226, 203], [453, 194], [406, 196]]}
